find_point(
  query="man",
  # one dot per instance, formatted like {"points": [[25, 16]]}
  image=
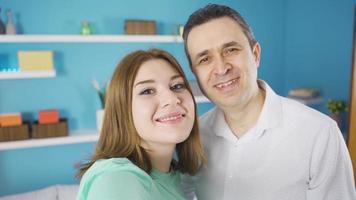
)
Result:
{"points": [[260, 146]]}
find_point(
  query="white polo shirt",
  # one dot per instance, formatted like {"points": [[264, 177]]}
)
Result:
{"points": [[293, 152]]}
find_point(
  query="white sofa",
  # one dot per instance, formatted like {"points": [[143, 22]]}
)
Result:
{"points": [[55, 192]]}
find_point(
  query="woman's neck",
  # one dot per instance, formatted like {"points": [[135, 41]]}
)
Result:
{"points": [[161, 157]]}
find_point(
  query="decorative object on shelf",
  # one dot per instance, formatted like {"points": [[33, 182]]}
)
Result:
{"points": [[85, 28], [10, 119], [2, 25], [9, 69], [101, 90], [12, 127], [18, 132], [304, 93], [180, 30], [50, 130], [336, 108], [99, 118], [10, 26], [140, 27], [48, 116], [35, 60]]}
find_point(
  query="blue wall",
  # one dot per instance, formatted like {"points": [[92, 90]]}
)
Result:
{"points": [[319, 46], [77, 64], [304, 43]]}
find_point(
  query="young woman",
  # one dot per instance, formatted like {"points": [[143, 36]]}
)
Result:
{"points": [[150, 113]]}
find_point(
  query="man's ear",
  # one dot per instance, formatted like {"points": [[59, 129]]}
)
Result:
{"points": [[257, 53]]}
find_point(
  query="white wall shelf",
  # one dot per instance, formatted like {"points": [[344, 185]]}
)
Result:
{"points": [[201, 99], [198, 95], [308, 102], [73, 138], [90, 38], [28, 74]]}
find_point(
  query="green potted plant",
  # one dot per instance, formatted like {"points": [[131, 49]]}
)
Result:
{"points": [[336, 108]]}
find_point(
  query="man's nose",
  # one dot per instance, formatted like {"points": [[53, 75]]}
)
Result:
{"points": [[222, 67]]}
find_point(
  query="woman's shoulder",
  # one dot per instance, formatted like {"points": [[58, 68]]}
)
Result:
{"points": [[117, 166], [115, 177]]}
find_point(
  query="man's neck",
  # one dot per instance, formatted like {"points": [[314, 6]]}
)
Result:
{"points": [[241, 119]]}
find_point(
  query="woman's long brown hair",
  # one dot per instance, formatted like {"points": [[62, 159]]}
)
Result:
{"points": [[119, 137]]}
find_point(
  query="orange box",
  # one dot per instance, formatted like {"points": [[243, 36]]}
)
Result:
{"points": [[48, 116], [10, 119]]}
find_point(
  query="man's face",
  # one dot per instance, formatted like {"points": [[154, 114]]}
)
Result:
{"points": [[223, 62]]}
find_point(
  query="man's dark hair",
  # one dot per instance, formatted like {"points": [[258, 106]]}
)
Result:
{"points": [[214, 11]]}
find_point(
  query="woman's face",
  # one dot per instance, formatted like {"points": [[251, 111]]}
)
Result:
{"points": [[162, 107]]}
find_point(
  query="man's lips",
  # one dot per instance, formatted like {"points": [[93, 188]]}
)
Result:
{"points": [[171, 117], [223, 85]]}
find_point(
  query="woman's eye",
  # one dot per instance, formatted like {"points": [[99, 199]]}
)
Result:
{"points": [[178, 87], [147, 92]]}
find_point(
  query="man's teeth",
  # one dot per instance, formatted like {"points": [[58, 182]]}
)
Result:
{"points": [[170, 118], [222, 85]]}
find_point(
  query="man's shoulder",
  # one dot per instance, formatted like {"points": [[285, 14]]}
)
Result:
{"points": [[302, 114]]}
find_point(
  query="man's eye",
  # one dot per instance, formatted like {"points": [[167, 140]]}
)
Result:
{"points": [[204, 60], [178, 87], [147, 92], [230, 50]]}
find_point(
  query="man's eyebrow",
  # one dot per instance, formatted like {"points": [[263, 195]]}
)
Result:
{"points": [[200, 54], [232, 43]]}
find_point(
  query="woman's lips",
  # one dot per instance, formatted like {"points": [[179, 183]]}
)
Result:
{"points": [[173, 117]]}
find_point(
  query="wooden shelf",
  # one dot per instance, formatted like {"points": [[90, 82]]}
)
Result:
{"points": [[73, 138], [26, 75], [89, 38]]}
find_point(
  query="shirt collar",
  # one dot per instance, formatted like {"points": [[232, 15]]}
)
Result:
{"points": [[270, 116]]}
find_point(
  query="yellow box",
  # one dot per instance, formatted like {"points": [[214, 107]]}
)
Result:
{"points": [[35, 60]]}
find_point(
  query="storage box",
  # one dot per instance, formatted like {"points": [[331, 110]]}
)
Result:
{"points": [[35, 60], [10, 133], [10, 119], [50, 130], [140, 27], [48, 116]]}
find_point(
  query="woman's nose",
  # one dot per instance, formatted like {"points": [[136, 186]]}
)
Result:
{"points": [[169, 98]]}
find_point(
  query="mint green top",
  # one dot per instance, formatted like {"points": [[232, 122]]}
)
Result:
{"points": [[119, 178]]}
